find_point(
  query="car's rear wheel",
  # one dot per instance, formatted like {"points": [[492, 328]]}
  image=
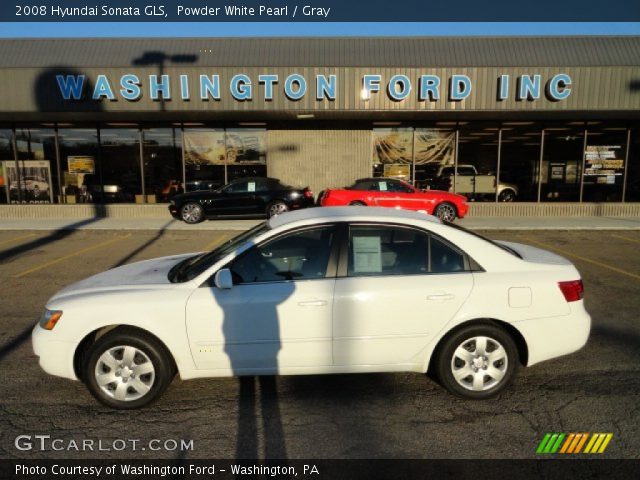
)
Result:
{"points": [[127, 369], [477, 361], [507, 195], [276, 208], [357, 203], [192, 212], [446, 212]]}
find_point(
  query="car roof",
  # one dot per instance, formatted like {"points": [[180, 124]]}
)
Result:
{"points": [[328, 214], [376, 179]]}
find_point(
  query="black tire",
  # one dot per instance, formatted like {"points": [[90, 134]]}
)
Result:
{"points": [[147, 349], [358, 203], [447, 360], [36, 191], [446, 211], [191, 213], [276, 207], [507, 195]]}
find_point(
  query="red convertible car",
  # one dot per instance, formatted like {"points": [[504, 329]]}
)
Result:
{"points": [[391, 192]]}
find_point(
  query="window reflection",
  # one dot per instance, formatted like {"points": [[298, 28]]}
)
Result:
{"points": [[6, 155], [37, 178], [120, 160], [393, 153], [79, 164], [162, 150], [477, 161]]}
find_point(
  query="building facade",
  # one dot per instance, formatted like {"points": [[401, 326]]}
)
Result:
{"points": [[531, 119]]}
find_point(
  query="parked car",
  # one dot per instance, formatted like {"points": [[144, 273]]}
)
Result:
{"points": [[473, 184], [252, 196], [391, 192], [321, 290]]}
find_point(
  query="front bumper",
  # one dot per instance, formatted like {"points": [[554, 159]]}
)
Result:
{"points": [[553, 337], [56, 357], [463, 209]]}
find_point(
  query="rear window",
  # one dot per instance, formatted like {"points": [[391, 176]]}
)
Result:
{"points": [[492, 242]]}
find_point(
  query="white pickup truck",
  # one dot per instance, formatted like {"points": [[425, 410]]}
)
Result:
{"points": [[474, 185]]}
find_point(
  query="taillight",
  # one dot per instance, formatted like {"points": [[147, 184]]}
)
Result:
{"points": [[572, 290], [308, 193]]}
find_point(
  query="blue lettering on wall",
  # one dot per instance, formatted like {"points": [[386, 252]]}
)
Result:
{"points": [[241, 87], [103, 89], [503, 87], [429, 87], [268, 81], [460, 88], [399, 87], [159, 87], [529, 88], [370, 83], [71, 86], [326, 87], [130, 84], [209, 87], [292, 92], [559, 87], [184, 87]]}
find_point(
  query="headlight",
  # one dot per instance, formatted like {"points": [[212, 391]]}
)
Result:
{"points": [[172, 202], [50, 318]]}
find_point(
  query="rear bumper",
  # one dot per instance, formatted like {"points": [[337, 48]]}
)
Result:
{"points": [[56, 357], [552, 337], [173, 210]]}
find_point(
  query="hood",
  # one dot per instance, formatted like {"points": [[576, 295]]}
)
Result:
{"points": [[148, 273], [534, 254]]}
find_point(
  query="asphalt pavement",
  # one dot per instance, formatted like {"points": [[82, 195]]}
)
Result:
{"points": [[404, 415]]}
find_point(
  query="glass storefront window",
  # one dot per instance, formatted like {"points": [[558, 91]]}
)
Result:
{"points": [[120, 162], [604, 163], [519, 161], [6, 156], [435, 149], [162, 150], [393, 153], [246, 151], [632, 192], [477, 161], [204, 158], [37, 180], [79, 164], [562, 162]]}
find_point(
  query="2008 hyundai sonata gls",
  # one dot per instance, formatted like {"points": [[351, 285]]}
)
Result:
{"points": [[324, 290]]}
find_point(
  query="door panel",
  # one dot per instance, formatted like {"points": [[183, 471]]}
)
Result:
{"points": [[261, 327]]}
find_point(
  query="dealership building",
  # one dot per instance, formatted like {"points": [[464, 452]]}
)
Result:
{"points": [[507, 121]]}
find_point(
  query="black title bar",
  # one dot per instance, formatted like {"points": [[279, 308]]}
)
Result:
{"points": [[320, 11]]}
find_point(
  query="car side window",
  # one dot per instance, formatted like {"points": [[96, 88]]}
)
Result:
{"points": [[390, 250], [302, 255], [238, 187], [398, 187], [387, 250]]}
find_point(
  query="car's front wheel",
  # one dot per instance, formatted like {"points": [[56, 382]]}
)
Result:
{"points": [[507, 195], [357, 203], [446, 212], [477, 361], [127, 369], [192, 212]]}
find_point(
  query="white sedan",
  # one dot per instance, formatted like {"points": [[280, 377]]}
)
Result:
{"points": [[321, 290]]}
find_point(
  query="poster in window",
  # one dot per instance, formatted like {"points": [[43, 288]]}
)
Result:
{"points": [[392, 146], [246, 146], [603, 164], [204, 148], [34, 183], [81, 164], [435, 146]]}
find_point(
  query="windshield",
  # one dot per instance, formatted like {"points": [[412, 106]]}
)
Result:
{"points": [[191, 267]]}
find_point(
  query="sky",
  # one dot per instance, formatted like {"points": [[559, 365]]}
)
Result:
{"points": [[227, 29]]}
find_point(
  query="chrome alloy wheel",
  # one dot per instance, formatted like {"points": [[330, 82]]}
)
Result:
{"points": [[125, 373], [191, 213], [446, 212], [277, 209], [479, 363]]}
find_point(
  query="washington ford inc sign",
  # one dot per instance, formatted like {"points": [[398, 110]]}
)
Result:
{"points": [[243, 87]]}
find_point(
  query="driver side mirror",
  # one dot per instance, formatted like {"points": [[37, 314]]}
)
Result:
{"points": [[223, 279]]}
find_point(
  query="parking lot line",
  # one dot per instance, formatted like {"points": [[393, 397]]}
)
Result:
{"points": [[625, 238], [15, 239], [584, 259], [217, 241], [65, 257]]}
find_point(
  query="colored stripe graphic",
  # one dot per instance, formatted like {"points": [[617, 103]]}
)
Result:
{"points": [[573, 443]]}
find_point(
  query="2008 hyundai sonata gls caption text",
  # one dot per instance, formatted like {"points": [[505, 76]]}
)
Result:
{"points": [[323, 290]]}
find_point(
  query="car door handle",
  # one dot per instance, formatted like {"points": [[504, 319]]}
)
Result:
{"points": [[441, 297], [313, 303]]}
